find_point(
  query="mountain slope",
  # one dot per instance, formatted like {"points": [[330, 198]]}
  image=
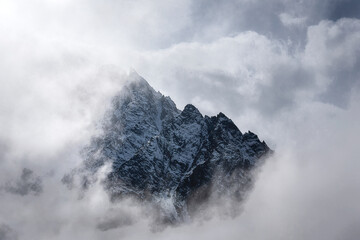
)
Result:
{"points": [[171, 157]]}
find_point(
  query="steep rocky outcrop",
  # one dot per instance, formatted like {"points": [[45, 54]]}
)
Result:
{"points": [[171, 157]]}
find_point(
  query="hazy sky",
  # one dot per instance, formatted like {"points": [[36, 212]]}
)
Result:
{"points": [[288, 70]]}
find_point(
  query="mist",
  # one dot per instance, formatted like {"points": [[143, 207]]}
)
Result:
{"points": [[286, 70]]}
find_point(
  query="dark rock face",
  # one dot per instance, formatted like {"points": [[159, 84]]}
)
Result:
{"points": [[175, 158]]}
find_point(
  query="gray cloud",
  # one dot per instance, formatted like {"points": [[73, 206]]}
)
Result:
{"points": [[344, 9], [115, 219], [287, 70], [332, 51], [28, 183], [6, 233]]}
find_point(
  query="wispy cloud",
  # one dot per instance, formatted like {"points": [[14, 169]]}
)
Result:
{"points": [[288, 70]]}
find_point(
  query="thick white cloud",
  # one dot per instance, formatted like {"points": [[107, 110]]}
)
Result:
{"points": [[279, 68]]}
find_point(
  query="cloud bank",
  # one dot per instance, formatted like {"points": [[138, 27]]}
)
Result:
{"points": [[287, 70]]}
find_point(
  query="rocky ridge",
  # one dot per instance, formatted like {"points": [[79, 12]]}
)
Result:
{"points": [[176, 159]]}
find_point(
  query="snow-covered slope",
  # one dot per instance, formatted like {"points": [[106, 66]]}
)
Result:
{"points": [[161, 154]]}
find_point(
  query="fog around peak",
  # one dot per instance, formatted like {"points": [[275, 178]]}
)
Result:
{"points": [[286, 70]]}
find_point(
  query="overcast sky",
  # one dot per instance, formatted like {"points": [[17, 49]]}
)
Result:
{"points": [[288, 70]]}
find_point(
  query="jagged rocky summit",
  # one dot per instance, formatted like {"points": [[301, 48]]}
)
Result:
{"points": [[176, 159]]}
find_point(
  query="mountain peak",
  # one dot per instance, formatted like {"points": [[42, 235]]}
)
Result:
{"points": [[156, 149], [136, 81], [190, 111], [133, 75], [190, 108]]}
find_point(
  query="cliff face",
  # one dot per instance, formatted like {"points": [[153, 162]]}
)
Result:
{"points": [[174, 158]]}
